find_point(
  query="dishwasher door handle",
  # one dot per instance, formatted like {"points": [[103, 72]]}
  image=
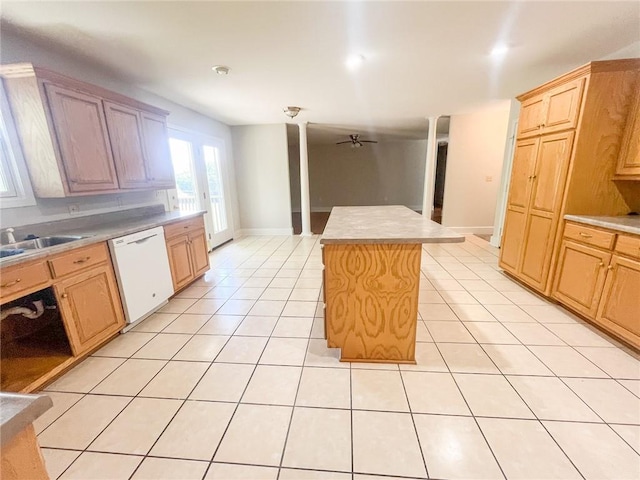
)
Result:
{"points": [[142, 240]]}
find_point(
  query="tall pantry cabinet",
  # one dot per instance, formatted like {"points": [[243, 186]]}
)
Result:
{"points": [[569, 136]]}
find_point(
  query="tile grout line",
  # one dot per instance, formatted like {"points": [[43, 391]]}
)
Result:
{"points": [[471, 412]]}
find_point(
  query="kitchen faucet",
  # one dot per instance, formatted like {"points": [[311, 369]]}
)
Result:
{"points": [[10, 237]]}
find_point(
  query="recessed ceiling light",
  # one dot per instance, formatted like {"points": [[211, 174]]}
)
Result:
{"points": [[220, 69], [354, 61], [499, 50]]}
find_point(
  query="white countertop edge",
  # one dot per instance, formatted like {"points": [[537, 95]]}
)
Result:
{"points": [[620, 224]]}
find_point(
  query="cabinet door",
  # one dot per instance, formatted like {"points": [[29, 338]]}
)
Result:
{"points": [[562, 107], [548, 184], [199, 252], [91, 307], [126, 141], [156, 143], [580, 276], [179, 252], [81, 131], [531, 115], [629, 160], [517, 203], [620, 305]]}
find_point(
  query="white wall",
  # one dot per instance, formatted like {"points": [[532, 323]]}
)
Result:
{"points": [[16, 48], [477, 144], [386, 173], [262, 178]]}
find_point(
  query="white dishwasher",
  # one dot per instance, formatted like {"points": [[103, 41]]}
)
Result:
{"points": [[142, 268]]}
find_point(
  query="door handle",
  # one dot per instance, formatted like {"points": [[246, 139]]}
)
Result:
{"points": [[142, 240], [82, 260]]}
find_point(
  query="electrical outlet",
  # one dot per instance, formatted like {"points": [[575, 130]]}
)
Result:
{"points": [[74, 208], [488, 179]]}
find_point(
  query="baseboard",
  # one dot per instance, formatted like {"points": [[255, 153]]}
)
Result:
{"points": [[263, 231], [472, 230]]}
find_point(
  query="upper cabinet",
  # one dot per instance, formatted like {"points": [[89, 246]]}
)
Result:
{"points": [[80, 128], [629, 159], [80, 139], [551, 111], [569, 134]]}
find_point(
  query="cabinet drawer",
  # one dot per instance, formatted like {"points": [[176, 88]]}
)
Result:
{"points": [[589, 236], [78, 259], [628, 245], [185, 226], [23, 279]]}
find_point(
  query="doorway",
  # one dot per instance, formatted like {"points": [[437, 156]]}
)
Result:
{"points": [[199, 164], [441, 172]]}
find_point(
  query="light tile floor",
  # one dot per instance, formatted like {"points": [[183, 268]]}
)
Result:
{"points": [[232, 379]]}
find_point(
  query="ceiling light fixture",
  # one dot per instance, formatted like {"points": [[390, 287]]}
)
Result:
{"points": [[220, 69], [291, 111], [354, 61]]}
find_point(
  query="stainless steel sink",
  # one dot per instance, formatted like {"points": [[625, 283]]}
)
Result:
{"points": [[37, 243]]}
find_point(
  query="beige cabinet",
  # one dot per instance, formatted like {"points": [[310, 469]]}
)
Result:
{"points": [[580, 277], [188, 251], [179, 252], [629, 159], [598, 276], [85, 151], [620, 305], [537, 183], [569, 133], [81, 139], [554, 110], [125, 131], [156, 144], [84, 284], [90, 306]]}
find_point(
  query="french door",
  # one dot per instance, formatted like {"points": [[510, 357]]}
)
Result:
{"points": [[199, 164]]}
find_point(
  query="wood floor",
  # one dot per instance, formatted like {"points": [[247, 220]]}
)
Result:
{"points": [[318, 222]]}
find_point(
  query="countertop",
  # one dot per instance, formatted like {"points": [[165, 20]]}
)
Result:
{"points": [[627, 223], [99, 233], [18, 411], [384, 224]]}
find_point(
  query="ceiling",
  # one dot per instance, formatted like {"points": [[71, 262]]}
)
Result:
{"points": [[421, 58]]}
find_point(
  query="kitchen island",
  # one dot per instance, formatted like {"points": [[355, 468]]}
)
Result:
{"points": [[371, 280]]}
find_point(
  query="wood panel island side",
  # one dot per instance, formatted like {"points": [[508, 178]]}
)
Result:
{"points": [[371, 280]]}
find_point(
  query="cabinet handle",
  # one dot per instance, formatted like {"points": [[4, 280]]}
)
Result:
{"points": [[609, 267], [11, 284], [64, 295], [82, 260], [585, 235], [601, 264]]}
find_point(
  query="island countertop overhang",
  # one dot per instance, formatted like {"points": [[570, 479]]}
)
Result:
{"points": [[384, 224]]}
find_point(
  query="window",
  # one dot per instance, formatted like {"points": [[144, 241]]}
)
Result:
{"points": [[15, 189]]}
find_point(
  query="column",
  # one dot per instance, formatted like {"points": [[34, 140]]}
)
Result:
{"points": [[305, 203], [430, 169]]}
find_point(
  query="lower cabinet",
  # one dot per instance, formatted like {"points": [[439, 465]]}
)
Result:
{"points": [[581, 274], [82, 284], [90, 306], [188, 251], [599, 281], [620, 305]]}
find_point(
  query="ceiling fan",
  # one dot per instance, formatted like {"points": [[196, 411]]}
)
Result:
{"points": [[355, 141]]}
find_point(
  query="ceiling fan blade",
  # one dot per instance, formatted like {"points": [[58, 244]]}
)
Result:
{"points": [[368, 141], [347, 141]]}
